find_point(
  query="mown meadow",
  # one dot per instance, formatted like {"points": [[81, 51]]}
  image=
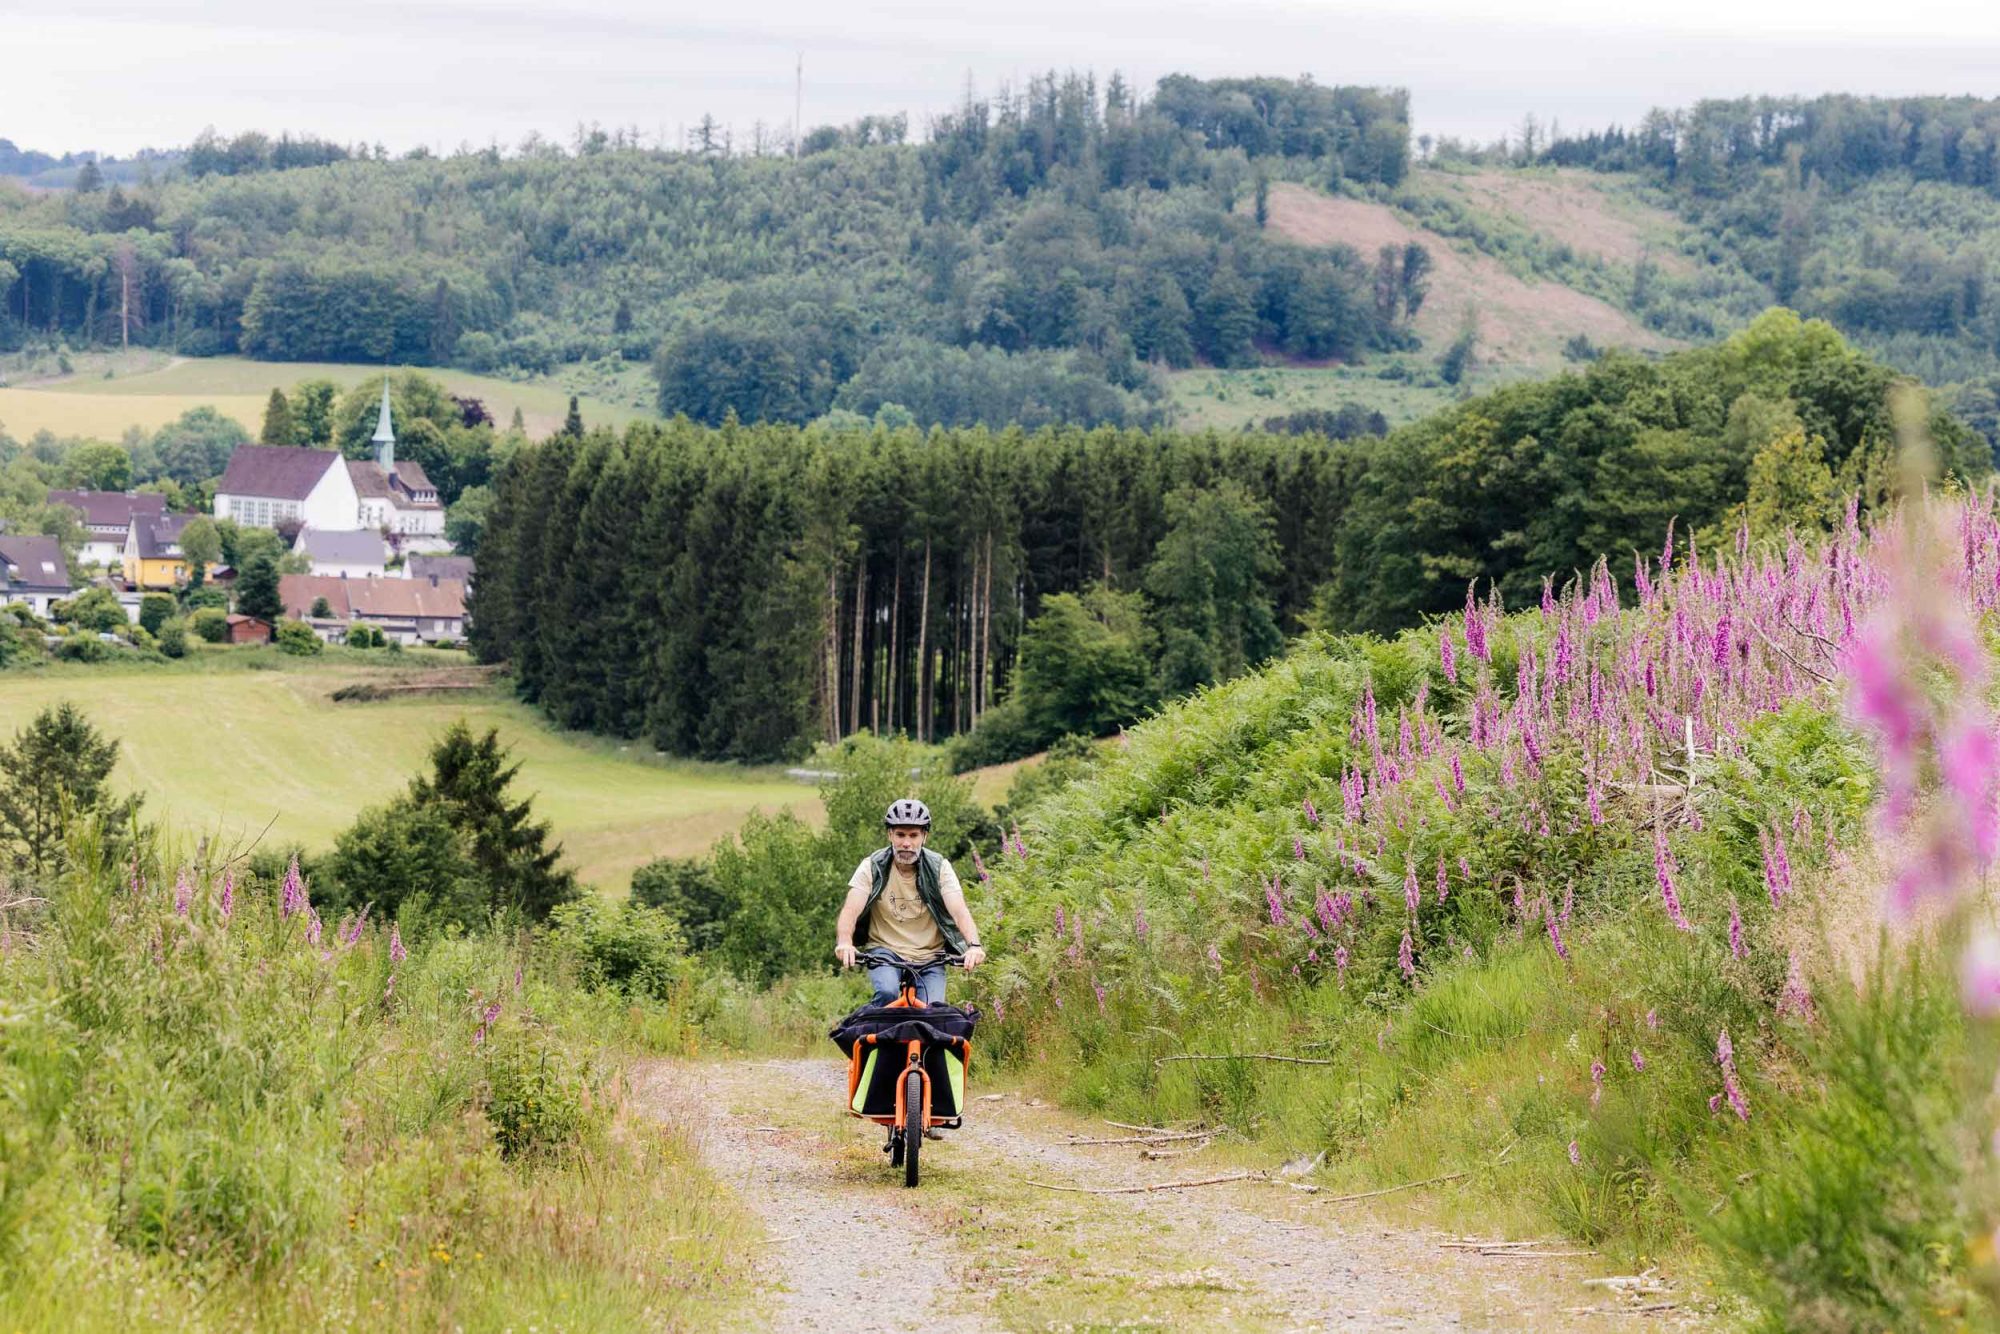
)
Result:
{"points": [[232, 741]]}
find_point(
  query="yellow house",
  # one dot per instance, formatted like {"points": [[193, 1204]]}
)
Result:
{"points": [[153, 556]]}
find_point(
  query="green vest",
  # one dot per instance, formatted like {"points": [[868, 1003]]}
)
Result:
{"points": [[928, 863]]}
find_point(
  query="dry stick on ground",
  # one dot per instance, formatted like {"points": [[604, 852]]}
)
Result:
{"points": [[1158, 1185], [1391, 1190], [1156, 1155], [1151, 1130], [1148, 1139], [1245, 1056]]}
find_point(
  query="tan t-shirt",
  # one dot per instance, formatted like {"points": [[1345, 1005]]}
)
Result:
{"points": [[899, 921]]}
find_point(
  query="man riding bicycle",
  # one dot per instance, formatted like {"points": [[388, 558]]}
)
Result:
{"points": [[906, 899]]}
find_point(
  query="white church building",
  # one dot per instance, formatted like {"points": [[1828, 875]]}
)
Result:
{"points": [[272, 486]]}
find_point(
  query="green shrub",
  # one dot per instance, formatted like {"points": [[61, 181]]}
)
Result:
{"points": [[634, 948], [154, 609], [172, 639], [211, 624], [84, 647], [365, 636], [685, 889], [296, 637], [536, 1094], [93, 609]]}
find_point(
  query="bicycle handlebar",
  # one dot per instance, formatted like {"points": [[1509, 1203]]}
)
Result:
{"points": [[892, 960]]}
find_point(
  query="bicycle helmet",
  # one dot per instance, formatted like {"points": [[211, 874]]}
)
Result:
{"points": [[907, 811]]}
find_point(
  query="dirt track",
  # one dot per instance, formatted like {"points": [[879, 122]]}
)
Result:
{"points": [[977, 1248]]}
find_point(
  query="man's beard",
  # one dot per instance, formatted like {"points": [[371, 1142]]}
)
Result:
{"points": [[906, 857]]}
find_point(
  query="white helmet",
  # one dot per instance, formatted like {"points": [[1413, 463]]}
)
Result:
{"points": [[908, 812]]}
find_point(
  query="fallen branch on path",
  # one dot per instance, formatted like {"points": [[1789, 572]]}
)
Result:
{"points": [[1391, 1190], [1156, 1186], [1168, 1138], [1245, 1056], [1479, 1244], [1150, 1130], [1650, 1308], [1157, 1154]]}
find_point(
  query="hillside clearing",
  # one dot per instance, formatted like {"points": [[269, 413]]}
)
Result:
{"points": [[1577, 208], [1520, 323], [1232, 400], [225, 751]]}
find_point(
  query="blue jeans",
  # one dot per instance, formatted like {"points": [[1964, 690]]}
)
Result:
{"points": [[888, 984]]}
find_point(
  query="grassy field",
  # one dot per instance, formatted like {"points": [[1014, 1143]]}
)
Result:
{"points": [[218, 746], [1232, 400], [107, 392]]}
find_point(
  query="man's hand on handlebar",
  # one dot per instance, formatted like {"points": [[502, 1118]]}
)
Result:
{"points": [[974, 956], [845, 952]]}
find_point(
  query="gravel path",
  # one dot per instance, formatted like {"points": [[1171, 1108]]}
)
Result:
{"points": [[1299, 1262]]}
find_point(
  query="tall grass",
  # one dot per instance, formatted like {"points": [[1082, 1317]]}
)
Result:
{"points": [[218, 1113], [1551, 893]]}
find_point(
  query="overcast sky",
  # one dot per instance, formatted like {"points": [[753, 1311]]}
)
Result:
{"points": [[115, 75]]}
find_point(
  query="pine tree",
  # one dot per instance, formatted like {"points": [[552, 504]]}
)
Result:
{"points": [[573, 423], [279, 428], [510, 852], [53, 774], [257, 589]]}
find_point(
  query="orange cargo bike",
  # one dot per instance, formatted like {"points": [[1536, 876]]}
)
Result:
{"points": [[907, 1062]]}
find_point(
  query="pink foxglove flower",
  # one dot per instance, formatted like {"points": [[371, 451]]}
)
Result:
{"points": [[1663, 872], [227, 905], [313, 927], [1340, 964], [396, 951], [1446, 657], [1556, 939], [183, 892], [1732, 1089], [1412, 896], [1596, 1082], [293, 893], [1979, 975], [1312, 812], [1638, 1061], [1405, 958], [1795, 1000], [1736, 947], [1575, 1155]]}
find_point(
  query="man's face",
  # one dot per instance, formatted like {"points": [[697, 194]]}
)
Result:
{"points": [[907, 841]]}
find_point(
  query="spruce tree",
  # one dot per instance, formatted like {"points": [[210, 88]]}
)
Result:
{"points": [[279, 428], [573, 423], [55, 773], [511, 853], [257, 589]]}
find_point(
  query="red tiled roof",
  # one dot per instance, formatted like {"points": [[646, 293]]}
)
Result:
{"points": [[374, 599]]}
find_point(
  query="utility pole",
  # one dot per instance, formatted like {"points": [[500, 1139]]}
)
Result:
{"points": [[798, 105]]}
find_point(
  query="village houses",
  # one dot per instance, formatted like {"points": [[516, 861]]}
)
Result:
{"points": [[282, 486], [32, 572], [107, 518]]}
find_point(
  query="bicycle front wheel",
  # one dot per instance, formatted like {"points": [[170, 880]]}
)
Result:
{"points": [[913, 1124]]}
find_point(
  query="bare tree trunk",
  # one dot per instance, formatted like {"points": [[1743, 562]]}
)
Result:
{"points": [[830, 657], [986, 634], [860, 632], [124, 304], [895, 638], [924, 652]]}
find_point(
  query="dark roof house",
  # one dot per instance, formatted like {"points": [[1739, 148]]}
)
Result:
{"points": [[160, 539], [278, 472], [32, 567], [110, 512], [330, 547]]}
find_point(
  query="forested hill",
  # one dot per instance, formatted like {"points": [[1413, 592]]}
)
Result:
{"points": [[738, 592], [1881, 215], [1025, 262]]}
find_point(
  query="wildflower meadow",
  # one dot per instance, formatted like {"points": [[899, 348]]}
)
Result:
{"points": [[219, 1111], [1637, 913]]}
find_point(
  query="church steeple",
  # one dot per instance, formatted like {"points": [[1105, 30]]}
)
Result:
{"points": [[385, 434]]}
